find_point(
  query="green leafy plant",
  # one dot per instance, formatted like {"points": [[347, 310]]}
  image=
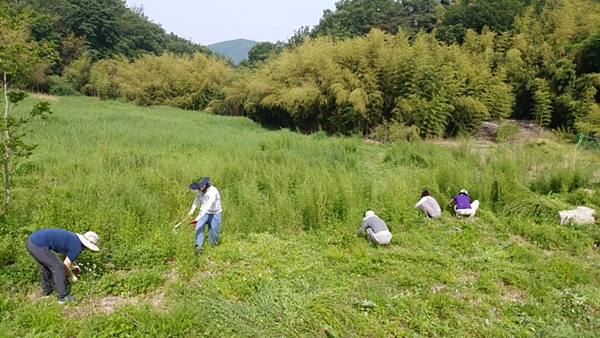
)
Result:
{"points": [[506, 132], [18, 55]]}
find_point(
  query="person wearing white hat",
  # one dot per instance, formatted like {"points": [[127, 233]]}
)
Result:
{"points": [[464, 206], [377, 230], [43, 244]]}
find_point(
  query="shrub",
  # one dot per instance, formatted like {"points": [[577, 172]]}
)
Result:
{"points": [[535, 206], [395, 131], [60, 86], [78, 72], [7, 252], [578, 197], [560, 180], [506, 132]]}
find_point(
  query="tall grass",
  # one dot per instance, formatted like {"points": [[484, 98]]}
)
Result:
{"points": [[288, 264]]}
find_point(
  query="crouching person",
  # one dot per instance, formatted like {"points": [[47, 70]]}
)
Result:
{"points": [[43, 244], [464, 206], [429, 205], [377, 230]]}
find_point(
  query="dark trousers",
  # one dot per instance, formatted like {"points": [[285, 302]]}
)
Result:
{"points": [[52, 269]]}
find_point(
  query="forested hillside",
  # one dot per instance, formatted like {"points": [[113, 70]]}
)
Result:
{"points": [[422, 68], [101, 28], [85, 31]]}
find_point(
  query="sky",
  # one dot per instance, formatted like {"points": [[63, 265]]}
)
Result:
{"points": [[210, 21]]}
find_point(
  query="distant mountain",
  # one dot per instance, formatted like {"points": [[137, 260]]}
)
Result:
{"points": [[237, 49]]}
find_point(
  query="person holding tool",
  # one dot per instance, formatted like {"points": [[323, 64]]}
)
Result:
{"points": [[210, 212], [43, 244]]}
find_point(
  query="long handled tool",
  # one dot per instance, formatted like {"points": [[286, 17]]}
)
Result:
{"points": [[178, 224]]}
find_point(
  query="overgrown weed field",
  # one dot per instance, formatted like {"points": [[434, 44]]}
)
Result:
{"points": [[288, 264]]}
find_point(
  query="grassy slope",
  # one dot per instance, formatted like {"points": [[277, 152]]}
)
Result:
{"points": [[288, 264]]}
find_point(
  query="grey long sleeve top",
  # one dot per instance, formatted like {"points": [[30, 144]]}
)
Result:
{"points": [[375, 223]]}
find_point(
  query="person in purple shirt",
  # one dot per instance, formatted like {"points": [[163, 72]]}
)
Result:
{"points": [[464, 206], [43, 244]]}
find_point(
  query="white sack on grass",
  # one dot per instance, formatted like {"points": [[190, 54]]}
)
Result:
{"points": [[581, 215]]}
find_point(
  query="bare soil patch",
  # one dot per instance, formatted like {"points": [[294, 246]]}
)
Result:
{"points": [[108, 304], [510, 293], [486, 136], [527, 130]]}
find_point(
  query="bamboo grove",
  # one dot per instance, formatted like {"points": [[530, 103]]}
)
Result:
{"points": [[409, 84]]}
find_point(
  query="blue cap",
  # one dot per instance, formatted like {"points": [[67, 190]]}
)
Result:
{"points": [[197, 183]]}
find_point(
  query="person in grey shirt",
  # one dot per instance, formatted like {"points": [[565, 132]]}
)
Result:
{"points": [[429, 205], [377, 230]]}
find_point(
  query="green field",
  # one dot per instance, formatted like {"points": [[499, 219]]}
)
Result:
{"points": [[288, 264]]}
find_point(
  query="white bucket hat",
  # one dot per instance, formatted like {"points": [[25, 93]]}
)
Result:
{"points": [[463, 191], [368, 214], [89, 239]]}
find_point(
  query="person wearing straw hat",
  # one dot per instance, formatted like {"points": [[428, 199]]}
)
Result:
{"points": [[43, 244], [429, 205], [377, 230], [464, 206], [210, 212]]}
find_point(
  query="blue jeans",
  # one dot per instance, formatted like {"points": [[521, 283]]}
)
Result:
{"points": [[214, 226]]}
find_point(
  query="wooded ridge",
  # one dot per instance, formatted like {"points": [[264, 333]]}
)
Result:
{"points": [[420, 68]]}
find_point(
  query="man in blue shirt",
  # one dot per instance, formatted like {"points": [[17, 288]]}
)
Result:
{"points": [[43, 244], [464, 206]]}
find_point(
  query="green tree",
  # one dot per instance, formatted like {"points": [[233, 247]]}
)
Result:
{"points": [[78, 72], [179, 45], [138, 35], [100, 29], [262, 51], [357, 17], [542, 107], [544, 44], [96, 20], [299, 36], [498, 15], [351, 18], [18, 55], [585, 109], [352, 86], [412, 15], [167, 80], [589, 55]]}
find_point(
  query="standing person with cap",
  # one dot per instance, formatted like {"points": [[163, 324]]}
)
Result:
{"points": [[429, 205], [43, 243], [377, 230], [463, 206], [210, 212]]}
